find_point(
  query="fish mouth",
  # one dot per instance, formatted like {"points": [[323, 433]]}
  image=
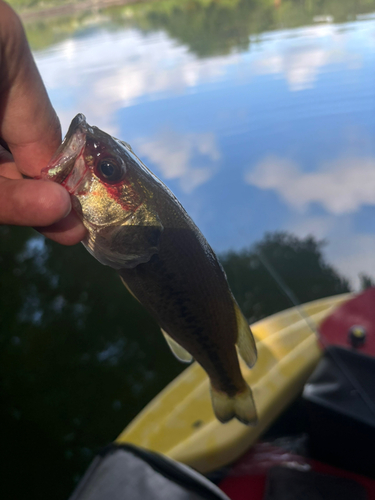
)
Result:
{"points": [[67, 166]]}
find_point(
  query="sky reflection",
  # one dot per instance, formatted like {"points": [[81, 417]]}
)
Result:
{"points": [[276, 137]]}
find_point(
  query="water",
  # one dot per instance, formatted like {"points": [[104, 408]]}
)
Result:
{"points": [[253, 130], [260, 119]]}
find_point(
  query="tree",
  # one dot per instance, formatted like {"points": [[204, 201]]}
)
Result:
{"points": [[79, 357], [298, 262], [366, 281]]}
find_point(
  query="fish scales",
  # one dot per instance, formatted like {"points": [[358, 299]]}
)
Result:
{"points": [[180, 303], [138, 227]]}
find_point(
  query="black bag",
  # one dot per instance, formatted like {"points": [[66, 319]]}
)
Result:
{"points": [[129, 473], [340, 399]]}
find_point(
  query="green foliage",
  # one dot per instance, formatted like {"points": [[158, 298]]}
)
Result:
{"points": [[299, 263], [209, 27], [366, 281], [21, 5], [46, 32], [215, 27], [206, 27], [79, 358]]}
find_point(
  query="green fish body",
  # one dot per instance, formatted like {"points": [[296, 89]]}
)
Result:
{"points": [[137, 226]]}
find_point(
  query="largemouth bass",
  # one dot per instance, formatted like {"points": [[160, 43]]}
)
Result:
{"points": [[137, 226]]}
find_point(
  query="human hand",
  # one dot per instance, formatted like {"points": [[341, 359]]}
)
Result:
{"points": [[29, 135]]}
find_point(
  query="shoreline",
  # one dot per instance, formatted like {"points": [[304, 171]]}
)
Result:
{"points": [[71, 8]]}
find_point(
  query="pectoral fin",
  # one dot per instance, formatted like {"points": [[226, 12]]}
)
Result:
{"points": [[138, 239], [180, 353], [245, 340], [129, 244]]}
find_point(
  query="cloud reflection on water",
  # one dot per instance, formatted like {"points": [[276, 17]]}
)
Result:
{"points": [[284, 106], [350, 250], [341, 186], [318, 49], [108, 72], [178, 156]]}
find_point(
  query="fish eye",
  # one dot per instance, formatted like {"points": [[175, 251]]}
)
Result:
{"points": [[109, 170]]}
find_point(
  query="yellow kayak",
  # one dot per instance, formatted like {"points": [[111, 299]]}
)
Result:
{"points": [[179, 422]]}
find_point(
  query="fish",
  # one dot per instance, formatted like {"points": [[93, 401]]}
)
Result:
{"points": [[137, 226]]}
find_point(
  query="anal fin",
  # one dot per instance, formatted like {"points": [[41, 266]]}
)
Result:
{"points": [[180, 353], [245, 340], [241, 406]]}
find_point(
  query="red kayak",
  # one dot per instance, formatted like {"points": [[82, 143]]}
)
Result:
{"points": [[352, 325]]}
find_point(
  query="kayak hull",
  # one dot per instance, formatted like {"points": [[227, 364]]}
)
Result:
{"points": [[179, 422]]}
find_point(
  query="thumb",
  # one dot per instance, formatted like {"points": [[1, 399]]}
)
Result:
{"points": [[28, 202], [28, 122]]}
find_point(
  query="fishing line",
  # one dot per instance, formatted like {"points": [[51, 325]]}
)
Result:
{"points": [[313, 327], [288, 292]]}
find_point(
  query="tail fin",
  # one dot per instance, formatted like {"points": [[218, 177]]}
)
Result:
{"points": [[241, 406]]}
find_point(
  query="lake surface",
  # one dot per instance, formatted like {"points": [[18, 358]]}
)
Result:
{"points": [[255, 131], [260, 118]]}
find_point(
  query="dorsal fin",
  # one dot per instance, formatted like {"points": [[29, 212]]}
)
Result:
{"points": [[126, 144]]}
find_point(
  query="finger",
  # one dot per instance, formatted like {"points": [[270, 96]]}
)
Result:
{"points": [[27, 202], [68, 231], [29, 124], [5, 156], [8, 168]]}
